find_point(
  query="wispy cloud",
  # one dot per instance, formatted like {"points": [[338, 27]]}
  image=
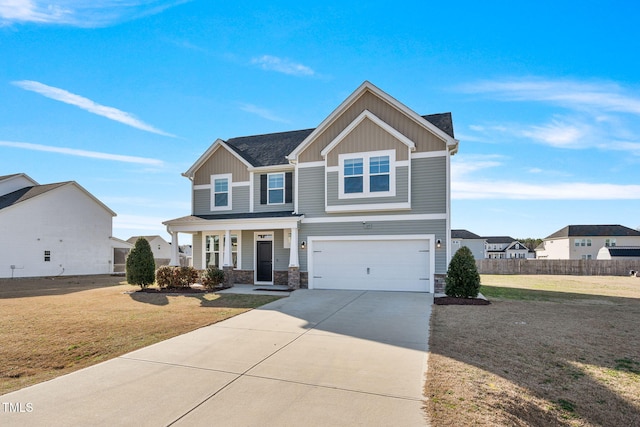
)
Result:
{"points": [[262, 112], [83, 153], [80, 13], [466, 183], [88, 105], [282, 65], [603, 96]]}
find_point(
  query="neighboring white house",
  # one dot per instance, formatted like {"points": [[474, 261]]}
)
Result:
{"points": [[505, 247], [585, 241], [161, 248], [475, 243], [53, 229]]}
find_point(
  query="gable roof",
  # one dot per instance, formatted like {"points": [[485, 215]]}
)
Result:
{"points": [[594, 231], [366, 86], [24, 194], [500, 239], [464, 234]]}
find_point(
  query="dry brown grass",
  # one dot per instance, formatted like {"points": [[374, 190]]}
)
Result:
{"points": [[53, 327], [562, 354]]}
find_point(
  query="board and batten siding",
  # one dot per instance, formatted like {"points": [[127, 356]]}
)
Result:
{"points": [[372, 228], [402, 191], [239, 201], [368, 136], [221, 161], [424, 140]]}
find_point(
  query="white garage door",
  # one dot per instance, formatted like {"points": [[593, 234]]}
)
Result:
{"points": [[388, 265]]}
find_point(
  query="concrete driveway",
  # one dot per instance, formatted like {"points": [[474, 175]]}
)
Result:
{"points": [[316, 358]]}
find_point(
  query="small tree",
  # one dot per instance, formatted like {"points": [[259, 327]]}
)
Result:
{"points": [[463, 279], [140, 264]]}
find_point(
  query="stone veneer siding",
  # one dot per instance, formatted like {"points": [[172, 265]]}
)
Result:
{"points": [[439, 283], [243, 277]]}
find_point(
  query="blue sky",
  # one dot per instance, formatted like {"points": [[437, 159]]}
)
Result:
{"points": [[123, 97]]}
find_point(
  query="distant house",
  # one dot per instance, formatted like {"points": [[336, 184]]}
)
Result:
{"points": [[505, 247], [161, 248], [53, 230], [475, 243], [585, 241]]}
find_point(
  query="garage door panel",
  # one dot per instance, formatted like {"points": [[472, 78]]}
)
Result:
{"points": [[371, 264]]}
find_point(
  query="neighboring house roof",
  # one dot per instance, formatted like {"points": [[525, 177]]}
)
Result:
{"points": [[133, 239], [464, 234], [24, 194], [500, 239], [3, 177], [624, 251], [593, 231]]}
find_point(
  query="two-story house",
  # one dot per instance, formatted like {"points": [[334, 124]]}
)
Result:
{"points": [[475, 243], [360, 202], [506, 247], [585, 241]]}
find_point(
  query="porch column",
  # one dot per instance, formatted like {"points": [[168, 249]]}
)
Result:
{"points": [[175, 257], [293, 250], [226, 257], [294, 263]]}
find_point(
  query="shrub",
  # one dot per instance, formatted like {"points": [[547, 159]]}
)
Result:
{"points": [[140, 264], [463, 279], [184, 277], [164, 277], [212, 277]]}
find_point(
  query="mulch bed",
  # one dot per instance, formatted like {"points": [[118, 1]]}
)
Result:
{"points": [[460, 301], [180, 290]]}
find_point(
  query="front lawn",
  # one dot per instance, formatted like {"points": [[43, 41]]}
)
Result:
{"points": [[58, 326]]}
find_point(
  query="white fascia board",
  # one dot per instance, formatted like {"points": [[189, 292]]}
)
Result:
{"points": [[18, 176], [429, 154], [366, 114], [374, 218], [369, 207], [286, 167], [195, 225]]}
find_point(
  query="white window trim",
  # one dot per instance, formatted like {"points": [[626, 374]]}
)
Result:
{"points": [[366, 156], [284, 188], [220, 251], [228, 177]]}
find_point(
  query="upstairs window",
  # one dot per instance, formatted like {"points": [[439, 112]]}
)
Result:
{"points": [[367, 174], [610, 243], [221, 192], [275, 192]]}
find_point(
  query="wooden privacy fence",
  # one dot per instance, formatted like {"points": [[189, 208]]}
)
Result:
{"points": [[571, 267]]}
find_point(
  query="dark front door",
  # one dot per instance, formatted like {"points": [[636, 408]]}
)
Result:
{"points": [[264, 264]]}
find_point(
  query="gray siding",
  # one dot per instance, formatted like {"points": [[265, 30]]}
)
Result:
{"points": [[428, 189], [280, 253], [402, 191], [197, 251], [239, 202], [436, 227], [429, 185], [247, 250], [257, 207]]}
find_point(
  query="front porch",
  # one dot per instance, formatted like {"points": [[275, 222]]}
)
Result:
{"points": [[257, 249]]}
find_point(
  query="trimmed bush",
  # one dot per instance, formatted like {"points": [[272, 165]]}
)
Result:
{"points": [[140, 264], [164, 277], [212, 277], [463, 279]]}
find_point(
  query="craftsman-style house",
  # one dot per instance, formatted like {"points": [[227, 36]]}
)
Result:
{"points": [[360, 202]]}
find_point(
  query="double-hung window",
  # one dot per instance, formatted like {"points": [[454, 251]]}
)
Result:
{"points": [[221, 192], [275, 189], [367, 174]]}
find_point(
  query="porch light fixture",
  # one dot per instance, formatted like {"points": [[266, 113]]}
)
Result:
{"points": [[438, 243], [303, 245]]}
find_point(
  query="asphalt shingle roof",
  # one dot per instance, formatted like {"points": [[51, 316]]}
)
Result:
{"points": [[500, 239], [27, 193], [271, 149], [463, 234], [593, 231]]}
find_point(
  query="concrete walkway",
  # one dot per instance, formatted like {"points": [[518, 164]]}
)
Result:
{"points": [[316, 358]]}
